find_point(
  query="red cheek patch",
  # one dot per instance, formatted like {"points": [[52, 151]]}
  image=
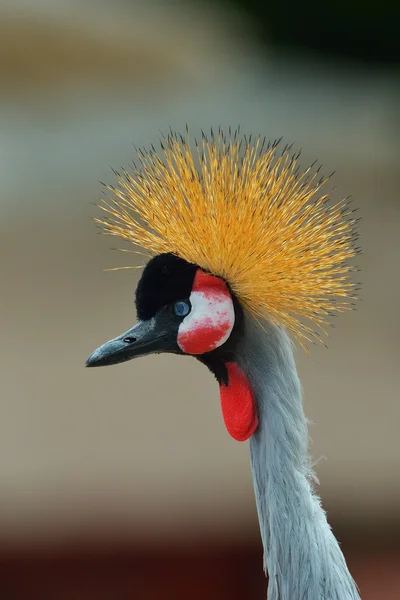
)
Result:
{"points": [[239, 408], [203, 336], [212, 316], [208, 284]]}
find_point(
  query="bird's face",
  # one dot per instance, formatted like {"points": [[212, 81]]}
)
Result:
{"points": [[183, 310], [180, 308]]}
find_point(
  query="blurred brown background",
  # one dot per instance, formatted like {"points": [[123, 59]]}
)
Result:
{"points": [[109, 487]]}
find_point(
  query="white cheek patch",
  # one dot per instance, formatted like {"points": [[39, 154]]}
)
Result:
{"points": [[210, 322]]}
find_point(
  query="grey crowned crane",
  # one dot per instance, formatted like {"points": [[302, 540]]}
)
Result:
{"points": [[244, 250]]}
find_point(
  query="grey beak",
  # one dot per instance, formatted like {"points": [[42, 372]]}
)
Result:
{"points": [[146, 337]]}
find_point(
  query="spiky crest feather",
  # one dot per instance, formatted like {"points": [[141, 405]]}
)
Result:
{"points": [[243, 211]]}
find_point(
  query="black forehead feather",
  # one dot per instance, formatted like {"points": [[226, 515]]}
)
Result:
{"points": [[165, 279]]}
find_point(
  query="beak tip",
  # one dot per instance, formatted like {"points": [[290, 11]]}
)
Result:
{"points": [[93, 360]]}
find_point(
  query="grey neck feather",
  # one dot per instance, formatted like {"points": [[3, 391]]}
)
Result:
{"points": [[301, 554]]}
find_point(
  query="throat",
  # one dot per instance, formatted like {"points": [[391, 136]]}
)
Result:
{"points": [[301, 554]]}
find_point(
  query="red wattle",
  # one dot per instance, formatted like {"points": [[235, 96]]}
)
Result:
{"points": [[238, 405]]}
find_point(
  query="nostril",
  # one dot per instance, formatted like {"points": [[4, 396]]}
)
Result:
{"points": [[130, 340]]}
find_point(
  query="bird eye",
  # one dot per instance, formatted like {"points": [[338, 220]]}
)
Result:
{"points": [[181, 308]]}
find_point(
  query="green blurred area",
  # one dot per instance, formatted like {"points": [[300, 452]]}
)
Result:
{"points": [[347, 29]]}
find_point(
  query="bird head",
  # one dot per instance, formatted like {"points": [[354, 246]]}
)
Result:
{"points": [[233, 228], [181, 309]]}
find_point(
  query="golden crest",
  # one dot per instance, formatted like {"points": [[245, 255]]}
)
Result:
{"points": [[242, 210]]}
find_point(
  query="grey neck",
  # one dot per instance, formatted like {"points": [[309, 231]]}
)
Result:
{"points": [[301, 554]]}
